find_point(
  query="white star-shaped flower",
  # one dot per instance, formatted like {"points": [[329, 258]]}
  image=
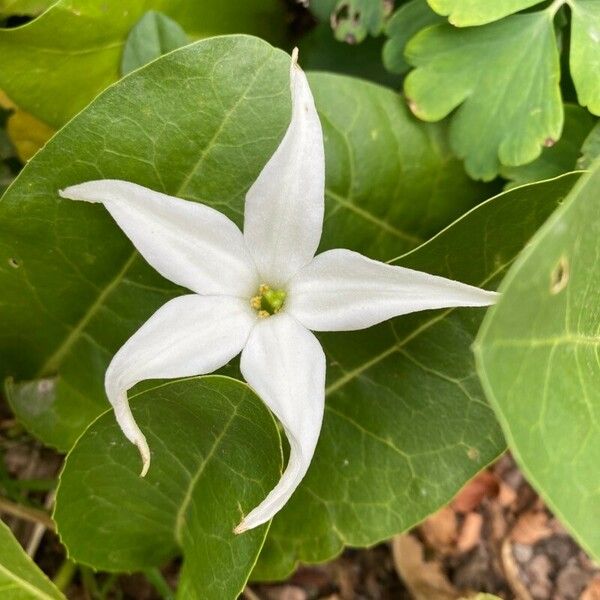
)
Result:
{"points": [[259, 293]]}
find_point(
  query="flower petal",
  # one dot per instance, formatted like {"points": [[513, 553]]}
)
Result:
{"points": [[285, 365], [341, 290], [284, 207], [189, 243], [190, 335]]}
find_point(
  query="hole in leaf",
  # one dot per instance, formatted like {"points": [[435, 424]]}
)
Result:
{"points": [[559, 278], [15, 263]]}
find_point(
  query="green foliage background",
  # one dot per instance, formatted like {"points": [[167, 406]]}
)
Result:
{"points": [[460, 93]]}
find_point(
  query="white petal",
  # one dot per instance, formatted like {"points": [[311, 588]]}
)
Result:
{"points": [[342, 290], [285, 365], [190, 335], [284, 207], [189, 243]]}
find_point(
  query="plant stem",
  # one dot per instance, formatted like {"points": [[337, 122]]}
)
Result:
{"points": [[108, 585], [65, 574], [89, 582], [27, 513], [155, 577]]}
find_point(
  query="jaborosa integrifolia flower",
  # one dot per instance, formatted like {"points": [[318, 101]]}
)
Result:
{"points": [[259, 293]]}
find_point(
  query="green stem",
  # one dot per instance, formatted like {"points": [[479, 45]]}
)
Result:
{"points": [[155, 577], [107, 586], [89, 582], [65, 574]]}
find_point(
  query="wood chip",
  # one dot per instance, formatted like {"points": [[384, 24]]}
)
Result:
{"points": [[470, 533], [592, 591], [440, 530], [531, 527], [425, 580]]}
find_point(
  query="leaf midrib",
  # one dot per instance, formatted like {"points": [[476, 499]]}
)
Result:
{"points": [[181, 513]]}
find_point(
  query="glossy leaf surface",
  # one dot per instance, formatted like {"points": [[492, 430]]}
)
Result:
{"points": [[538, 360], [216, 454], [406, 421], [388, 187]]}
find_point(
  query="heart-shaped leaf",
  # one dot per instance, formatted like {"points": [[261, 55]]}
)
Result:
{"points": [[75, 47], [216, 454], [20, 578], [74, 289], [406, 421], [538, 360]]}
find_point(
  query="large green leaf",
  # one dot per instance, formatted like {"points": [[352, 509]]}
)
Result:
{"points": [[391, 182], [20, 578], [74, 49], [73, 288], [502, 78], [584, 58], [538, 358], [560, 158], [406, 422], [585, 52], [463, 13], [215, 454]]}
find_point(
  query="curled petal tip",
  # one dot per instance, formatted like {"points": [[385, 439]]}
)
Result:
{"points": [[295, 57], [241, 528], [142, 446]]}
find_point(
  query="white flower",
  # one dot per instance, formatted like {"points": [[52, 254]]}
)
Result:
{"points": [[259, 293]]}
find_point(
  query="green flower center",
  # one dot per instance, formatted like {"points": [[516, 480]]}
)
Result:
{"points": [[268, 301]]}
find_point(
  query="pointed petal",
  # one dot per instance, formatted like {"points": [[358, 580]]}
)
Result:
{"points": [[284, 206], [189, 243], [285, 365], [190, 335], [341, 290]]}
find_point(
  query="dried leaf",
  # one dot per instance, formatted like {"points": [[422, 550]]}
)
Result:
{"points": [[470, 534], [531, 527], [484, 485], [425, 580], [592, 591], [440, 530], [27, 133]]}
